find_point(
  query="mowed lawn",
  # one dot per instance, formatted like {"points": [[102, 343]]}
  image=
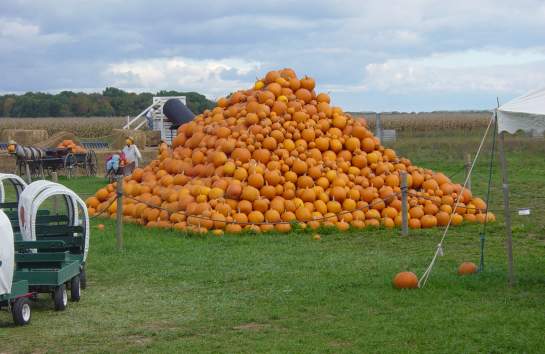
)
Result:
{"points": [[169, 292]]}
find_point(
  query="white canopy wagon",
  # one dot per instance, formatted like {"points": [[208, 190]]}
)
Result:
{"points": [[9, 197], [50, 247], [13, 294]]}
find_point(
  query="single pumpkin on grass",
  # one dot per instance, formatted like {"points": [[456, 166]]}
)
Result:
{"points": [[467, 268], [405, 280]]}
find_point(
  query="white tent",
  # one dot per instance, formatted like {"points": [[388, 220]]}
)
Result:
{"points": [[525, 113], [7, 260]]}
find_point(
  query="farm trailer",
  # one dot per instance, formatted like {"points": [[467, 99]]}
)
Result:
{"points": [[14, 294]]}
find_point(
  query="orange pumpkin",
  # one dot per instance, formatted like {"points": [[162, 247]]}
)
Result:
{"points": [[467, 268], [279, 151], [405, 280]]}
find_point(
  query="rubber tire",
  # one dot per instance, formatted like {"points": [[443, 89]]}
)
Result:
{"points": [[83, 279], [20, 306], [75, 288], [60, 298]]}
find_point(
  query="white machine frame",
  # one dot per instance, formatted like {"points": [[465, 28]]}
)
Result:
{"points": [[160, 122]]}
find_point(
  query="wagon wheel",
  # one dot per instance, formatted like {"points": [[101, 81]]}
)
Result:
{"points": [[81, 163], [60, 297], [75, 288], [111, 175], [69, 165], [91, 163], [21, 312]]}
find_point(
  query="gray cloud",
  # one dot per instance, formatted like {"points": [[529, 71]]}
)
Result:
{"points": [[370, 55]]}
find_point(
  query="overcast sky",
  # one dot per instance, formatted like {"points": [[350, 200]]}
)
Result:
{"points": [[370, 55]]}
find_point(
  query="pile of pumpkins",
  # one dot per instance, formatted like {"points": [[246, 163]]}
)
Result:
{"points": [[70, 144], [280, 155]]}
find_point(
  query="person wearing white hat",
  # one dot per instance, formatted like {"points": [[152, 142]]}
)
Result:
{"points": [[12, 146], [132, 154]]}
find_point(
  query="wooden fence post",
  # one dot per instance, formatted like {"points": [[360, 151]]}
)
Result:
{"points": [[404, 205], [119, 215]]}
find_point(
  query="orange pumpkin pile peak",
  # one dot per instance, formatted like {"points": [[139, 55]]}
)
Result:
{"points": [[281, 154]]}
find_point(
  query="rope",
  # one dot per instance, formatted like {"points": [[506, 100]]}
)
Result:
{"points": [[342, 212], [439, 250], [413, 194], [482, 235], [112, 200]]}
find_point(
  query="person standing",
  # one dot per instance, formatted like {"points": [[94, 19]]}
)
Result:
{"points": [[149, 118], [132, 154]]}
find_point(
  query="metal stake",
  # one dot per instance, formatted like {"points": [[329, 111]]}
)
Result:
{"points": [[468, 170], [506, 211]]}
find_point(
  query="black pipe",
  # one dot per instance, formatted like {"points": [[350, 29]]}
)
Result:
{"points": [[176, 112]]}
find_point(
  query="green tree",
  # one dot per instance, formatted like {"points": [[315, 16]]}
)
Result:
{"points": [[111, 102], [9, 102]]}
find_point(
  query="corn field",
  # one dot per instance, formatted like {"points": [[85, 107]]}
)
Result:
{"points": [[408, 123], [403, 123], [83, 127]]}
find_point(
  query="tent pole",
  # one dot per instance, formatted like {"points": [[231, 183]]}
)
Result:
{"points": [[506, 211]]}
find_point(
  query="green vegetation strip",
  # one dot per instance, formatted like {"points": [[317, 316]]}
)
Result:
{"points": [[288, 293]]}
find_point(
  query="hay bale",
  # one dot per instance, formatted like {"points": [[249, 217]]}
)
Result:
{"points": [[56, 139], [153, 137], [24, 136], [120, 135]]}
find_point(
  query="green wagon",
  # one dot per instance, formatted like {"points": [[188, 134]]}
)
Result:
{"points": [[51, 248], [14, 294]]}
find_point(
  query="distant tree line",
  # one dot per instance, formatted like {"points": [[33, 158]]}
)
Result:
{"points": [[111, 102]]}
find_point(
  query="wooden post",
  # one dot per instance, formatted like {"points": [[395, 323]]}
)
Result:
{"points": [[55, 178], [506, 210], [119, 215], [468, 164], [404, 205]]}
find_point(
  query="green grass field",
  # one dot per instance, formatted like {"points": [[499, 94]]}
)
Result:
{"points": [[169, 292]]}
